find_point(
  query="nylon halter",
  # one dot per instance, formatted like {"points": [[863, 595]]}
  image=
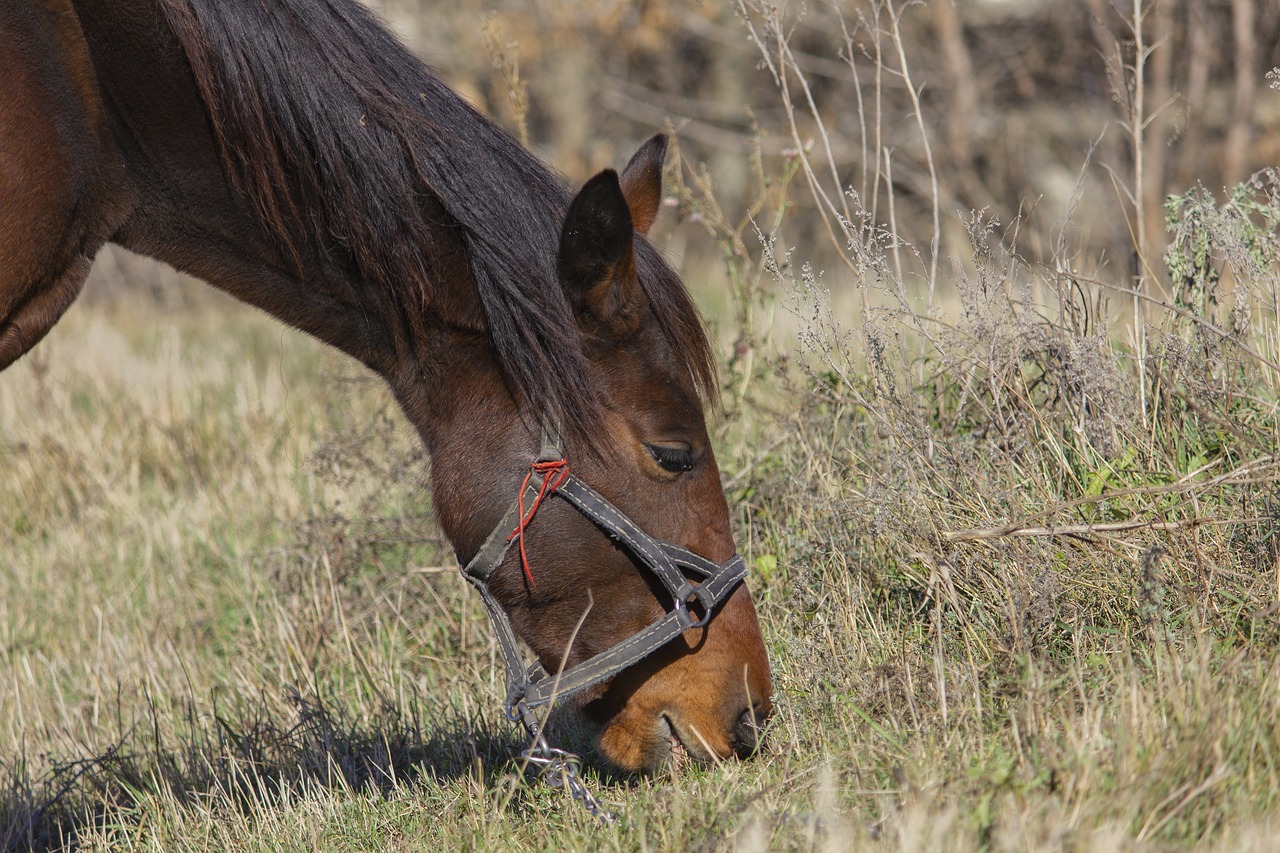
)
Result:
{"points": [[532, 687]]}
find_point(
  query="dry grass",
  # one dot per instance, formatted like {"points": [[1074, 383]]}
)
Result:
{"points": [[223, 626], [1015, 549]]}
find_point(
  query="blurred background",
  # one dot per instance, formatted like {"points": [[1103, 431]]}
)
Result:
{"points": [[1026, 110]]}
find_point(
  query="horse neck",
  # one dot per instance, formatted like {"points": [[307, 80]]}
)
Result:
{"points": [[435, 357], [179, 206], [440, 366]]}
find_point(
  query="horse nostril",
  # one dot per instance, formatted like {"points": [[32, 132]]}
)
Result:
{"points": [[749, 730]]}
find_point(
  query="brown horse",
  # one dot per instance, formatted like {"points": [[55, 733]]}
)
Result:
{"points": [[295, 155]]}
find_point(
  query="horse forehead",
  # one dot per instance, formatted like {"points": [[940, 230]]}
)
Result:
{"points": [[659, 358], [646, 371]]}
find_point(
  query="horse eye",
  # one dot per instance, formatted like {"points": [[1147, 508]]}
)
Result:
{"points": [[673, 459]]}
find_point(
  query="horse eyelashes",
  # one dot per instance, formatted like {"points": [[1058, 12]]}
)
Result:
{"points": [[675, 460]]}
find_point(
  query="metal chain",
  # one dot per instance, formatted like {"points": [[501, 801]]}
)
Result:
{"points": [[558, 768]]}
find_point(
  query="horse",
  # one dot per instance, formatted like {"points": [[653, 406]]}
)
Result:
{"points": [[296, 155]]}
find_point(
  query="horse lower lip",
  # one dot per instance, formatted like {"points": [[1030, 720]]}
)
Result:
{"points": [[678, 754]]}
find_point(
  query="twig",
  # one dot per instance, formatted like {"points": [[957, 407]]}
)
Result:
{"points": [[86, 765], [778, 46], [935, 244], [1023, 526], [1086, 529]]}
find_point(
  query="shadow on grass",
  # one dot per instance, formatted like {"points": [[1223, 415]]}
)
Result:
{"points": [[252, 761]]}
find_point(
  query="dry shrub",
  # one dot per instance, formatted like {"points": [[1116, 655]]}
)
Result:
{"points": [[1022, 510]]}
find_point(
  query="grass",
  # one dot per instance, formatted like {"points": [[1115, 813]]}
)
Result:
{"points": [[1015, 548], [228, 622]]}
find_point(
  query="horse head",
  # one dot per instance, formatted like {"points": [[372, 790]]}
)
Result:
{"points": [[572, 592]]}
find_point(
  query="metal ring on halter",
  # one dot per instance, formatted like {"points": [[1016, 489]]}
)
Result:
{"points": [[706, 610]]}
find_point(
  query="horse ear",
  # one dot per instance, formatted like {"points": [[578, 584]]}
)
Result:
{"points": [[597, 260], [642, 182]]}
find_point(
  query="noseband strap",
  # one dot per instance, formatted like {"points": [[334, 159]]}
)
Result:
{"points": [[532, 687]]}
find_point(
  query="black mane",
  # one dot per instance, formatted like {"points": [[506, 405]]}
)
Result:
{"points": [[336, 132]]}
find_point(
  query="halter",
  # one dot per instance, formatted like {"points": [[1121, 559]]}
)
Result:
{"points": [[532, 687]]}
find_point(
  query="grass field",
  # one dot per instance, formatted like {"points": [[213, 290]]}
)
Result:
{"points": [[228, 621], [1013, 529]]}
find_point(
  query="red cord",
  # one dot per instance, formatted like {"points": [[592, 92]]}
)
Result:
{"points": [[561, 469]]}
